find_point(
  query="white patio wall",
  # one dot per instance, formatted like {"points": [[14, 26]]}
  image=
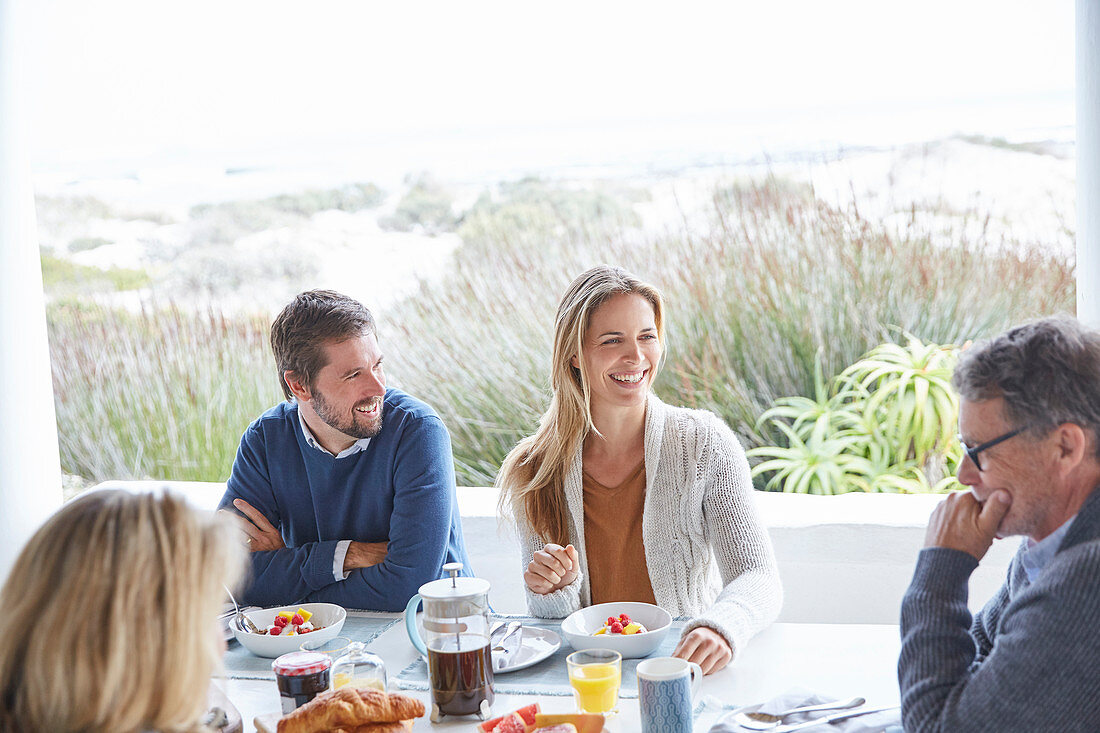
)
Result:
{"points": [[842, 559], [30, 472]]}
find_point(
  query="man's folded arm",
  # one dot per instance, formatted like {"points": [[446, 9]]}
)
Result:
{"points": [[420, 526], [276, 577], [1031, 678]]}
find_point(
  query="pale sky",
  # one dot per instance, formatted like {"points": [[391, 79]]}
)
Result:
{"points": [[126, 77]]}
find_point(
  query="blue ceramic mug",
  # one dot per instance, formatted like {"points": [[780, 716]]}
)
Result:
{"points": [[666, 686]]}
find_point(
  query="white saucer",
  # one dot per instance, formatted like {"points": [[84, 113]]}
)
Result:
{"points": [[536, 645]]}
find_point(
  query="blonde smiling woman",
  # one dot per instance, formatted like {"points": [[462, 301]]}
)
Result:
{"points": [[112, 607], [620, 497]]}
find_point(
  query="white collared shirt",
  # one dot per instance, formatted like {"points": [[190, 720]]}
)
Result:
{"points": [[356, 447], [351, 450]]}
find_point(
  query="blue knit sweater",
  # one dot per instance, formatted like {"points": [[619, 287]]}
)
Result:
{"points": [[1026, 662], [401, 489]]}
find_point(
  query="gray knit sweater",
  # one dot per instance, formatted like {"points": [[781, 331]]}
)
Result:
{"points": [[1029, 661], [698, 508]]}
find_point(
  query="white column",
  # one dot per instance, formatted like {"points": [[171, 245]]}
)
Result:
{"points": [[1088, 161], [30, 473]]}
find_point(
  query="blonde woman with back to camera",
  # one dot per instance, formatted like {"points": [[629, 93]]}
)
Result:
{"points": [[620, 497], [114, 603]]}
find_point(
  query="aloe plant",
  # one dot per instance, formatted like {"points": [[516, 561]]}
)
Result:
{"points": [[885, 424], [828, 413], [816, 466], [911, 398]]}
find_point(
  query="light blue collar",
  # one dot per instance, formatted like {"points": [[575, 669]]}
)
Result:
{"points": [[1037, 555]]}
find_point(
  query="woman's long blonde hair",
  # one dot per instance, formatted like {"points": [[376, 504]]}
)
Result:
{"points": [[532, 477], [110, 616]]}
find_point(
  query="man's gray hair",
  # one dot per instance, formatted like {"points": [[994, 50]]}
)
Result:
{"points": [[1047, 371]]}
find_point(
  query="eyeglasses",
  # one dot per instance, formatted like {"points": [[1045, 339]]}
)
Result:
{"points": [[972, 453]]}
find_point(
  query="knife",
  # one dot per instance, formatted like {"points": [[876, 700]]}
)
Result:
{"points": [[834, 716]]}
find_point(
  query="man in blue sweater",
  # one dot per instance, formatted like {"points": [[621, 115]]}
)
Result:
{"points": [[1029, 420], [346, 491]]}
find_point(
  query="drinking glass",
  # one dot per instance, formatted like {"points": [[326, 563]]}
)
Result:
{"points": [[595, 675]]}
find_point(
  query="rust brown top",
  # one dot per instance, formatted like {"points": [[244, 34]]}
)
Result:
{"points": [[617, 568]]}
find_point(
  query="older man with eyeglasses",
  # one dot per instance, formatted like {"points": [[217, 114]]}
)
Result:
{"points": [[1029, 421]]}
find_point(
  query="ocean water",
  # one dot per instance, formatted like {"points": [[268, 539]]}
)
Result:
{"points": [[199, 170]]}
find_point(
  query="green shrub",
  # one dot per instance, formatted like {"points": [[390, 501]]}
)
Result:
{"points": [[83, 244], [536, 209], [886, 424], [61, 276], [225, 222], [427, 205]]}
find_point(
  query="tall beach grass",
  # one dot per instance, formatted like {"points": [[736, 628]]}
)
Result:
{"points": [[754, 290], [162, 393], [778, 276]]}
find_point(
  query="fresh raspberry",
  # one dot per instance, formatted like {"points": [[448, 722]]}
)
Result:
{"points": [[275, 630], [297, 620], [624, 618], [610, 620], [281, 621], [616, 628]]}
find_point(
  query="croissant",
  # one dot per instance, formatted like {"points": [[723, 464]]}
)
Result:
{"points": [[353, 711], [402, 727]]}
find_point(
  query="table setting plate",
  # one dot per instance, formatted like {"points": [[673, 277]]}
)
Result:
{"points": [[536, 644]]}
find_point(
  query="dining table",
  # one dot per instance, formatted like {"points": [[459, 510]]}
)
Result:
{"points": [[829, 660]]}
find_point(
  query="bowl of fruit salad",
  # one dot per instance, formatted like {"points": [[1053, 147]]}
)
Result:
{"points": [[632, 629], [283, 629]]}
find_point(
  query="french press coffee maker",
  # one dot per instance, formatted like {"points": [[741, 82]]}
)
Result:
{"points": [[456, 643]]}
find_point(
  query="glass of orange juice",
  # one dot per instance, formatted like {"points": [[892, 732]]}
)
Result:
{"points": [[595, 675]]}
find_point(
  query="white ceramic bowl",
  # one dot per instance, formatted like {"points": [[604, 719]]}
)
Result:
{"points": [[578, 628], [328, 615]]}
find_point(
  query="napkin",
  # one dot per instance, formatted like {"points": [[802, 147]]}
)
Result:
{"points": [[871, 723]]}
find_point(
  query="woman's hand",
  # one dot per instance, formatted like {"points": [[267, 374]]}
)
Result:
{"points": [[552, 568], [706, 647]]}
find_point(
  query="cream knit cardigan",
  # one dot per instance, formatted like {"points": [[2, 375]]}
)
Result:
{"points": [[698, 509]]}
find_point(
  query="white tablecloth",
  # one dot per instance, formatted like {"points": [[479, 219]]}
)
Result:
{"points": [[834, 660]]}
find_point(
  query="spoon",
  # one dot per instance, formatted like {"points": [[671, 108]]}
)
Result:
{"points": [[244, 623], [767, 721], [777, 728]]}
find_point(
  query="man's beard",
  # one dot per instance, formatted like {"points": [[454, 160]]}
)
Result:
{"points": [[350, 426]]}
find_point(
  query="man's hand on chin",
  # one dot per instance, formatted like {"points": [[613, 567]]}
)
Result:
{"points": [[961, 522]]}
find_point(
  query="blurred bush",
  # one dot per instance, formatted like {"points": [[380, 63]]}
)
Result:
{"points": [[61, 276], [427, 205]]}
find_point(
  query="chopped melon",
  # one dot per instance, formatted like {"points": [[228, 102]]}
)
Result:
{"points": [[286, 614], [632, 628], [306, 615], [601, 631], [583, 722]]}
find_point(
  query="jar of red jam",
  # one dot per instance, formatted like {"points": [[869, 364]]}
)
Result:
{"points": [[301, 676]]}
